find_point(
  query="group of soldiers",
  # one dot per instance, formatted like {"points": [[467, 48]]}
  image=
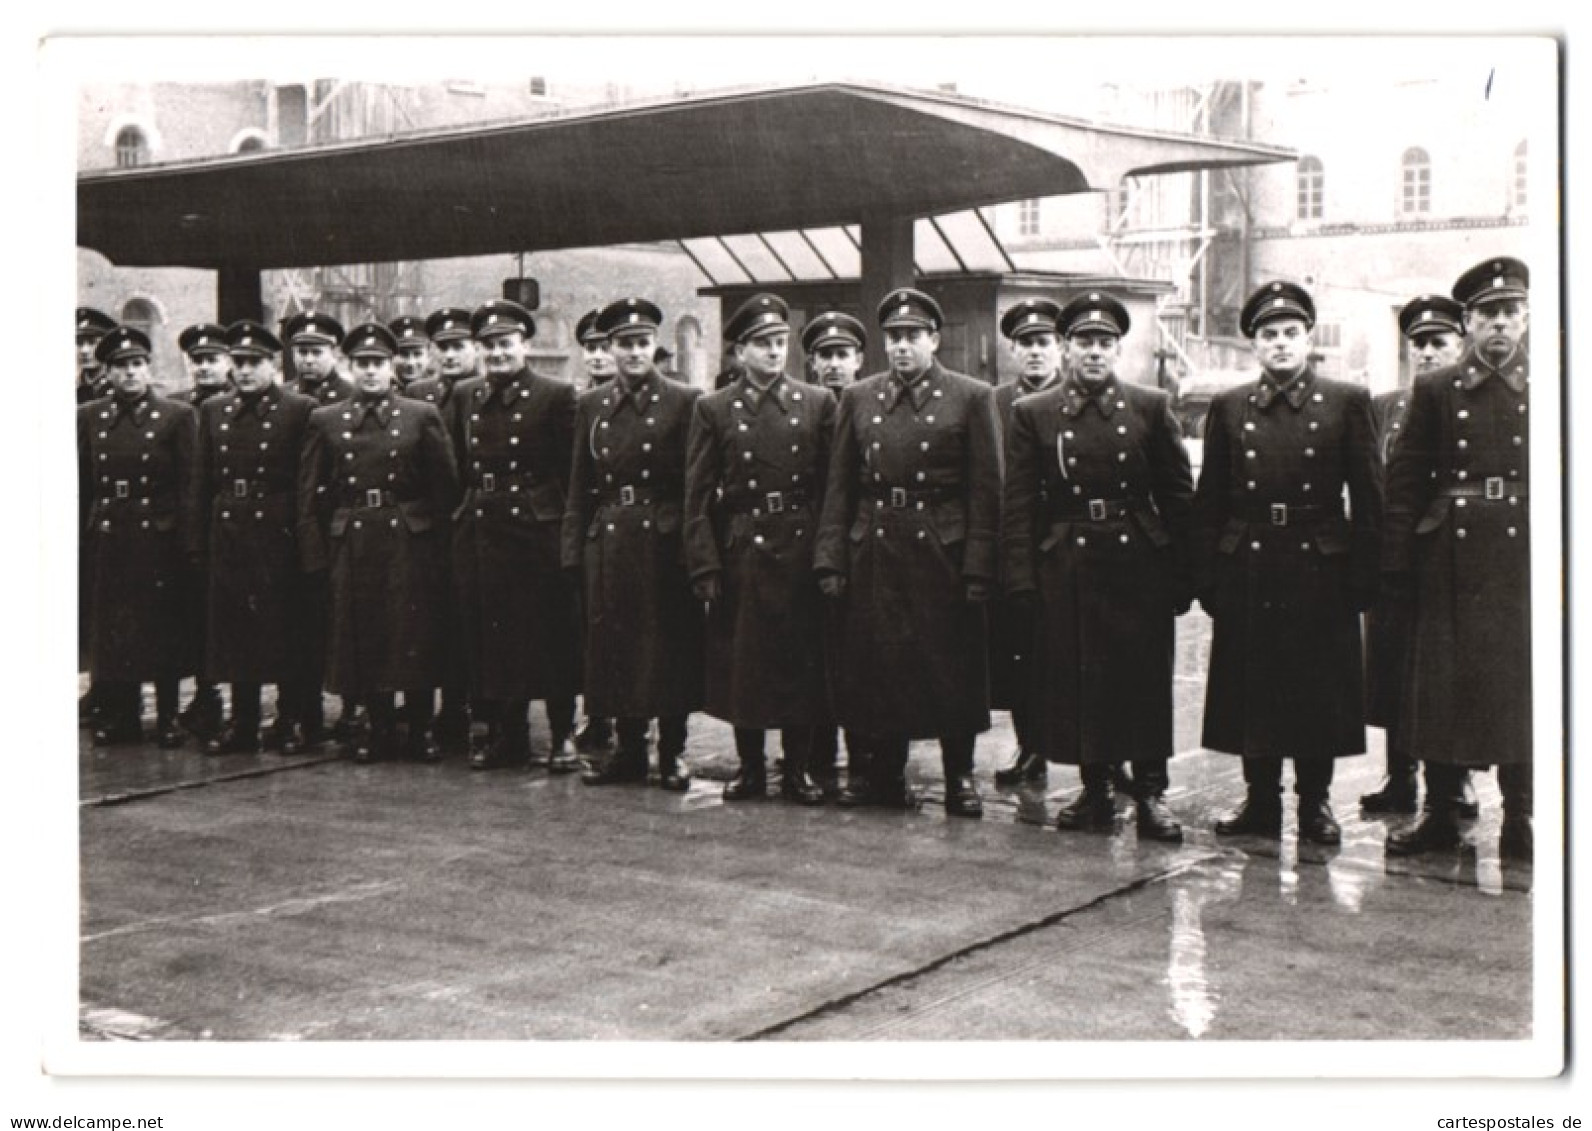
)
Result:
{"points": [[888, 556]]}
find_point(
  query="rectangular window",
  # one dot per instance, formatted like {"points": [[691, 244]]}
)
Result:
{"points": [[1417, 197], [1028, 218]]}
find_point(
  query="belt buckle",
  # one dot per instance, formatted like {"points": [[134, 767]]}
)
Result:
{"points": [[1097, 510], [488, 481], [898, 497], [373, 497], [1279, 514], [1493, 487], [627, 496], [775, 501], [122, 489], [240, 488]]}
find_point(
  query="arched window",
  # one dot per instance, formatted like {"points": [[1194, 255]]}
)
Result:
{"points": [[1312, 185], [249, 140], [1415, 196], [132, 147], [140, 314], [1517, 197]]}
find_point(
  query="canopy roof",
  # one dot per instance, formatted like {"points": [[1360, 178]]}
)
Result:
{"points": [[781, 159]]}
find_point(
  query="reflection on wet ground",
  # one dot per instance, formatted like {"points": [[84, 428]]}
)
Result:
{"points": [[396, 901]]}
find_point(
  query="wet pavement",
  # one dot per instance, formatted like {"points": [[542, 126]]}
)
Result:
{"points": [[261, 898]]}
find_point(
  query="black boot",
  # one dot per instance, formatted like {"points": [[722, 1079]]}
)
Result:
{"points": [[240, 736], [1259, 815], [452, 727], [1316, 822], [1516, 839], [628, 763], [561, 756], [1027, 768], [961, 791], [1094, 809], [594, 734], [379, 742], [1436, 831], [750, 782], [795, 782], [168, 732], [421, 743], [508, 747], [1155, 821], [202, 716], [1398, 793]]}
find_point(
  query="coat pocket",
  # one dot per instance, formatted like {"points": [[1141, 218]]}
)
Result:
{"points": [[1332, 538], [1058, 535], [1154, 529], [546, 502], [1436, 514], [417, 517], [669, 516]]}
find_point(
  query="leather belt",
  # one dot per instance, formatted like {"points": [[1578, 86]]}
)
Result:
{"points": [[1494, 487], [901, 497], [122, 489], [372, 498], [1286, 514], [493, 482], [249, 489], [769, 502], [1095, 510], [630, 495]]}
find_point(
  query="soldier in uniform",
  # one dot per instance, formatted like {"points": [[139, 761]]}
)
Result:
{"points": [[1434, 327], [92, 380], [414, 351], [758, 453], [448, 331], [243, 528], [517, 610], [1283, 572], [312, 340], [382, 465], [134, 452], [597, 366], [833, 343], [209, 365], [643, 654], [92, 383], [908, 542], [1458, 544], [1031, 328], [1095, 536]]}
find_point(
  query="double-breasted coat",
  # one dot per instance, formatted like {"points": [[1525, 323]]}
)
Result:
{"points": [[1098, 498], [134, 467], [518, 610], [1282, 570], [244, 526], [624, 531], [1387, 622], [199, 581], [376, 484], [911, 515], [754, 482], [328, 390], [436, 390], [1458, 525], [1011, 633]]}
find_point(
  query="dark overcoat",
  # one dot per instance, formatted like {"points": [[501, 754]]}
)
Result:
{"points": [[754, 482], [330, 390], [1387, 622], [244, 526], [376, 485], [1459, 526], [198, 588], [134, 467], [623, 530], [1011, 631], [518, 610], [911, 515], [436, 390], [1282, 570], [1096, 525]]}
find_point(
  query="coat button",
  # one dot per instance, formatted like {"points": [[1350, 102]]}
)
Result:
{"points": [[1251, 454], [1511, 532], [1462, 445], [356, 524], [1124, 539], [879, 533], [395, 524], [1460, 533], [1459, 502], [1254, 545], [646, 524], [757, 539], [1304, 545], [1250, 484]]}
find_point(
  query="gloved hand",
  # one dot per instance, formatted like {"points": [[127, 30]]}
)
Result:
{"points": [[708, 588], [832, 585], [977, 592]]}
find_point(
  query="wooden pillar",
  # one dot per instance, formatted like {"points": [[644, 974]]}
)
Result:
{"points": [[239, 295], [886, 265]]}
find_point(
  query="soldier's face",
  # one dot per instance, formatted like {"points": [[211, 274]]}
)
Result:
{"points": [[1435, 350], [1038, 354], [764, 356], [314, 361], [209, 370], [410, 364], [598, 361], [1093, 355], [1497, 327], [910, 349], [130, 375], [372, 373], [85, 351], [836, 365], [504, 354], [1282, 345], [456, 357], [252, 372], [633, 353]]}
